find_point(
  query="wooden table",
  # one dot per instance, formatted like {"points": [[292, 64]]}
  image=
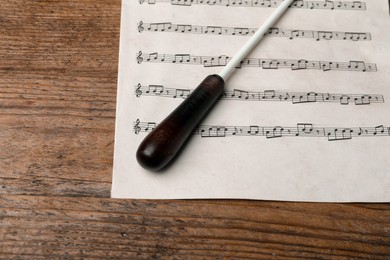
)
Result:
{"points": [[58, 75]]}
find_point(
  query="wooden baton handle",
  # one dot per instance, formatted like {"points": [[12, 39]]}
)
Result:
{"points": [[163, 143]]}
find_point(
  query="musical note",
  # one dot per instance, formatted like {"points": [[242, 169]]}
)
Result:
{"points": [[241, 31], [379, 129], [325, 35], [327, 5], [355, 36], [244, 31], [303, 128], [267, 95], [305, 97], [327, 65], [270, 64], [150, 126], [213, 131], [344, 99], [299, 65], [218, 61], [158, 27], [270, 132], [181, 58], [336, 134], [357, 65], [182, 28], [363, 100], [357, 5], [155, 90], [273, 32], [253, 130], [275, 132], [155, 57], [183, 93], [216, 30], [240, 94]]}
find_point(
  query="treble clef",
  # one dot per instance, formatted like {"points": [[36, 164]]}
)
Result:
{"points": [[140, 27], [138, 91], [137, 128], [139, 57]]}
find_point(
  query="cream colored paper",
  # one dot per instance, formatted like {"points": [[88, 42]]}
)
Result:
{"points": [[292, 168]]}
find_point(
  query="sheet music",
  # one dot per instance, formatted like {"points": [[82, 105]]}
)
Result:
{"points": [[305, 117]]}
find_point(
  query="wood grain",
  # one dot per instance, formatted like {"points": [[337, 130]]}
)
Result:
{"points": [[58, 73], [36, 225]]}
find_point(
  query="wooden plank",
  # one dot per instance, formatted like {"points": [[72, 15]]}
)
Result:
{"points": [[58, 70], [92, 227]]}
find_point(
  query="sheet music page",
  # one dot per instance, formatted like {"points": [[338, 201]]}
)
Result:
{"points": [[304, 118]]}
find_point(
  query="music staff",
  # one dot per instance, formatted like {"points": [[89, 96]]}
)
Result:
{"points": [[218, 61], [300, 130], [267, 95], [242, 31], [326, 4]]}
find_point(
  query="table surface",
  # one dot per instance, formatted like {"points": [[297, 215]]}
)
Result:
{"points": [[58, 76]]}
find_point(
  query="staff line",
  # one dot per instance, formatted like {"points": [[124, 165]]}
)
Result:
{"points": [[244, 31], [300, 130], [302, 4], [222, 60], [266, 95]]}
